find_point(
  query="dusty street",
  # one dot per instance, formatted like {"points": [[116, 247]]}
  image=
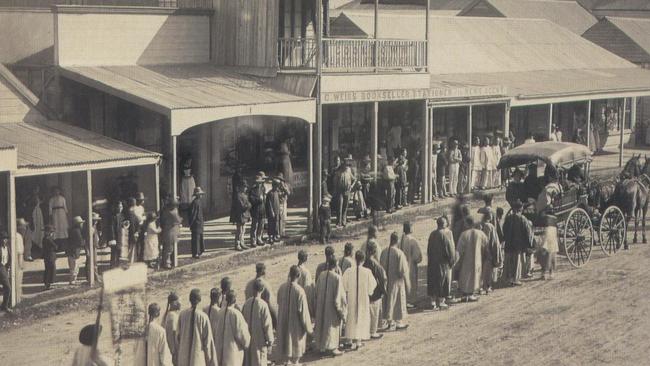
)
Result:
{"points": [[594, 315]]}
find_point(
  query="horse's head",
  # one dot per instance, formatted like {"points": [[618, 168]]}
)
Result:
{"points": [[633, 167]]}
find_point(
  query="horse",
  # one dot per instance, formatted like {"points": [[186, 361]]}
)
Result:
{"points": [[631, 195]]}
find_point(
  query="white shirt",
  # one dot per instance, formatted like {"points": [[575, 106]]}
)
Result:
{"points": [[20, 245], [4, 255]]}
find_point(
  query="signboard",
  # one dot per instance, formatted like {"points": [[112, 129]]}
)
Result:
{"points": [[412, 94]]}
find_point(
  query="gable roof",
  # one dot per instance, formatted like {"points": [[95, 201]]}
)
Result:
{"points": [[623, 5], [626, 37], [568, 14]]}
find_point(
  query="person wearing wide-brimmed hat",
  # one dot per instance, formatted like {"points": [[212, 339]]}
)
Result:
{"points": [[324, 219], [284, 190], [22, 228], [257, 198], [517, 231], [273, 207], [76, 241], [186, 189], [170, 223], [343, 181], [5, 262], [241, 214], [196, 223], [49, 256], [94, 241]]}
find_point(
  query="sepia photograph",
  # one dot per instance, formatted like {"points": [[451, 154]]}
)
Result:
{"points": [[324, 182]]}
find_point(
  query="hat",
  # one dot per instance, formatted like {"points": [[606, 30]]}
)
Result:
{"points": [[327, 198], [198, 191], [78, 220], [20, 222], [516, 204], [435, 146], [260, 177], [279, 178], [349, 157], [139, 196], [96, 216], [367, 159]]}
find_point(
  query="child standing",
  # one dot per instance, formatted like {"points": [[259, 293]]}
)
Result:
{"points": [[324, 219]]}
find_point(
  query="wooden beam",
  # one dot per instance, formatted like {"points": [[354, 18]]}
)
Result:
{"points": [[89, 223], [426, 153], [470, 174], [621, 128], [426, 35], [157, 185], [588, 132], [374, 136], [11, 184], [633, 102], [174, 159], [550, 120], [310, 163]]}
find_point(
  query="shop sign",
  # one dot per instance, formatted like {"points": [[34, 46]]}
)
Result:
{"points": [[412, 94]]}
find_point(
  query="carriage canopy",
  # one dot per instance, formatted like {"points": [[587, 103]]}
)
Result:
{"points": [[557, 154]]}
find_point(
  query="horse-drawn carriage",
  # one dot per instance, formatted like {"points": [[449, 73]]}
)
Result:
{"points": [[578, 218]]}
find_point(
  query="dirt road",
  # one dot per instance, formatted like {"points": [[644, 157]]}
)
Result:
{"points": [[594, 315]]}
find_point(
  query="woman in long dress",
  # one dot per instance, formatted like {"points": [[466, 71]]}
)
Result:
{"points": [[151, 250], [58, 211]]}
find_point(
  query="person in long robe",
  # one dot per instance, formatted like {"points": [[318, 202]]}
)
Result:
{"points": [[441, 257], [215, 303], [548, 246], [306, 281], [380, 290], [294, 321], [152, 350], [85, 355], [195, 341], [330, 309], [58, 212], [371, 236], [359, 284], [196, 223], [267, 294], [272, 206], [517, 232], [347, 260], [411, 249], [398, 284], [322, 267], [230, 332], [260, 326], [471, 246], [170, 322], [37, 222], [493, 260], [170, 223]]}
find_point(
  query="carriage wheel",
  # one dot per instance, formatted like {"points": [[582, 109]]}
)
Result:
{"points": [[612, 230], [578, 237]]}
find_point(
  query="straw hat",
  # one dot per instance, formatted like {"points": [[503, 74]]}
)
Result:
{"points": [[260, 177], [198, 191], [96, 216], [139, 196], [20, 222], [77, 220]]}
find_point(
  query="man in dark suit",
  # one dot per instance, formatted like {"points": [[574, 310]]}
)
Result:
{"points": [[257, 198], [113, 233], [196, 223]]}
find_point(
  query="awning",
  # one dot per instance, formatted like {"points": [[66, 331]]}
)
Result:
{"points": [[54, 147], [542, 87], [192, 94], [7, 158]]}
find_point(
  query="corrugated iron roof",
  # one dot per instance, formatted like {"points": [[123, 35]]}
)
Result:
{"points": [[557, 83], [623, 5], [55, 144], [484, 45], [568, 14], [638, 29], [183, 86]]}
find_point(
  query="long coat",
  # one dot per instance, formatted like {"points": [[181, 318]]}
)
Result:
{"points": [[306, 281], [170, 223], [380, 278], [195, 341], [260, 326], [267, 296], [171, 330], [518, 234], [196, 216], [330, 310], [411, 249], [231, 336], [471, 247], [441, 256], [294, 321], [153, 350], [398, 283], [284, 165], [240, 211], [256, 196], [359, 285]]}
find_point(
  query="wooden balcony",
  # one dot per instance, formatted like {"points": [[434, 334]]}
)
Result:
{"points": [[181, 4], [353, 55]]}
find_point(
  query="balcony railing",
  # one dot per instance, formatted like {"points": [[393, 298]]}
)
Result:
{"points": [[183, 4], [346, 55]]}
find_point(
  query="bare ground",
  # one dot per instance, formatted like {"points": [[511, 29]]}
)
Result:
{"points": [[594, 315]]}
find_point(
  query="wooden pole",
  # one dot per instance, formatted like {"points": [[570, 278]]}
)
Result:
{"points": [[376, 33], [506, 120], [174, 158], [89, 224], [470, 174], [157, 185], [550, 120], [432, 183], [633, 102], [588, 132], [12, 236], [426, 152], [426, 36], [310, 179], [319, 105], [621, 129], [374, 136]]}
